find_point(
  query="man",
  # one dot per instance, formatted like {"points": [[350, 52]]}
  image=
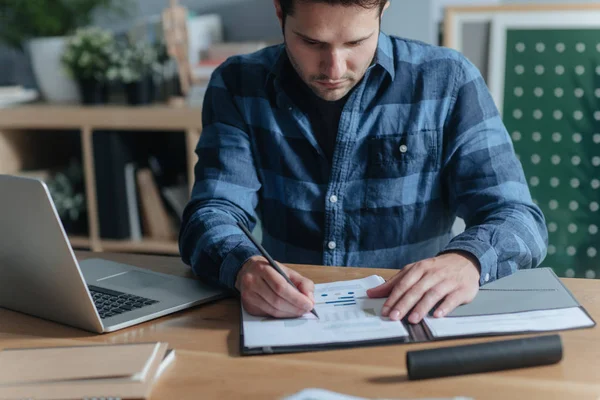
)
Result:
{"points": [[359, 149]]}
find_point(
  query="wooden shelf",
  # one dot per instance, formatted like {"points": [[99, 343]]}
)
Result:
{"points": [[159, 117], [144, 246], [17, 121], [80, 242], [128, 246]]}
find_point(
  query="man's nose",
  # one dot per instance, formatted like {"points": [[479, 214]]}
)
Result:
{"points": [[333, 65]]}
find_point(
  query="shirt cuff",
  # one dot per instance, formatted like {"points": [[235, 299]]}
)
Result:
{"points": [[234, 261], [485, 254]]}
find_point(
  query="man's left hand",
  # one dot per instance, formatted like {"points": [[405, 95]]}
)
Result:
{"points": [[418, 287]]}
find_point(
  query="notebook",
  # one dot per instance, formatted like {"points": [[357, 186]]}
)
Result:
{"points": [[533, 300], [125, 371]]}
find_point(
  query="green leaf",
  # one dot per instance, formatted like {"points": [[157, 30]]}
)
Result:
{"points": [[21, 20]]}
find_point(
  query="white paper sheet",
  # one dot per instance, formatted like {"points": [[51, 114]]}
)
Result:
{"points": [[321, 394], [346, 315], [530, 321]]}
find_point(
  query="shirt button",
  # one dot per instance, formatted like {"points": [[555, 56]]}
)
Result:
{"points": [[333, 198], [403, 148], [487, 277], [331, 245]]}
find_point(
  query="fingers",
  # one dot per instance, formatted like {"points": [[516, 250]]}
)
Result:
{"points": [[402, 286], [423, 297], [451, 279], [262, 300], [451, 301], [429, 299], [305, 285], [384, 289], [257, 305], [406, 301], [285, 293], [265, 292], [454, 300]]}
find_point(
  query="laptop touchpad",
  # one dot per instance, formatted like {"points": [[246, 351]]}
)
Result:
{"points": [[136, 280]]}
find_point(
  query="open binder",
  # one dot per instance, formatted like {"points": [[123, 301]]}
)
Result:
{"points": [[533, 300]]}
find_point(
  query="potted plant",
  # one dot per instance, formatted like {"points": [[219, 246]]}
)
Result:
{"points": [[67, 190], [88, 57], [41, 27], [136, 67]]}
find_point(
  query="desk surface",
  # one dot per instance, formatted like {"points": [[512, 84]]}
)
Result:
{"points": [[208, 364]]}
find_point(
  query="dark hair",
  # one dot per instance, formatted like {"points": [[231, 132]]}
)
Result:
{"points": [[287, 6]]}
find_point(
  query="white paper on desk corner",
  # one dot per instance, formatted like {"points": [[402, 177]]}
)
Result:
{"points": [[346, 314], [528, 321], [321, 394]]}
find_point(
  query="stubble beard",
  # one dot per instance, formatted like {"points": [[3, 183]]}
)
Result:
{"points": [[323, 93]]}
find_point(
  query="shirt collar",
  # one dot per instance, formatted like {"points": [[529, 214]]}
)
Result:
{"points": [[384, 55]]}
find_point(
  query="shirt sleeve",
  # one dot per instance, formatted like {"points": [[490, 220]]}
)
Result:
{"points": [[486, 185], [224, 192]]}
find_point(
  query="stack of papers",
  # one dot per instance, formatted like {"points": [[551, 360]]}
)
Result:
{"points": [[121, 371]]}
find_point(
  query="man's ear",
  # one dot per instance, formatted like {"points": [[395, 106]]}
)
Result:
{"points": [[278, 11], [384, 7]]}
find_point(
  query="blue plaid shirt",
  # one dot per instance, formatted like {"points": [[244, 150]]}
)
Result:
{"points": [[420, 142]]}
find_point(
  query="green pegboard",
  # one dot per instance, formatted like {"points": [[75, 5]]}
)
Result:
{"points": [[552, 111]]}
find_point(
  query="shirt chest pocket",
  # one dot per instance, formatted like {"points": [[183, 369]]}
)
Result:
{"points": [[399, 155]]}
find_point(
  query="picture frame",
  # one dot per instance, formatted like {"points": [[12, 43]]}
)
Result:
{"points": [[467, 29], [501, 23], [544, 76]]}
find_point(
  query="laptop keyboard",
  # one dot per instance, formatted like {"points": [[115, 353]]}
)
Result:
{"points": [[110, 302]]}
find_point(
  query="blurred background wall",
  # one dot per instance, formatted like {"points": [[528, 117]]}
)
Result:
{"points": [[243, 20]]}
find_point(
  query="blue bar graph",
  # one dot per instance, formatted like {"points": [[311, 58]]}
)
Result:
{"points": [[345, 304]]}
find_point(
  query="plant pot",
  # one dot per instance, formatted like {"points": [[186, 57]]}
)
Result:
{"points": [[93, 91], [53, 81], [140, 92]]}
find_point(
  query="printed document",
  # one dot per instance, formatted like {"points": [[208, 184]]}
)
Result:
{"points": [[530, 321], [527, 301], [346, 314]]}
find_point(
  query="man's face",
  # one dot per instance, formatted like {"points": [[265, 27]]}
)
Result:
{"points": [[330, 47]]}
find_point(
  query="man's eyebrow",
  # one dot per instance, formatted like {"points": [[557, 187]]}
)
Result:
{"points": [[305, 37]]}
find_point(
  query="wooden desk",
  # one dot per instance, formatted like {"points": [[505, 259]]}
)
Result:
{"points": [[208, 364]]}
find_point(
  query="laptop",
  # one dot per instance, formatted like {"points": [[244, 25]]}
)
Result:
{"points": [[40, 276]]}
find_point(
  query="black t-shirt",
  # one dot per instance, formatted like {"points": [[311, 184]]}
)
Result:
{"points": [[324, 116]]}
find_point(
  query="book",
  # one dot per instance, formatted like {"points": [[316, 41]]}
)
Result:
{"points": [[177, 197], [156, 220], [132, 202], [14, 95], [533, 300], [111, 154], [125, 371]]}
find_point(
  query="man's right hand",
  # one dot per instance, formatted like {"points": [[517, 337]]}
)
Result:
{"points": [[265, 292]]}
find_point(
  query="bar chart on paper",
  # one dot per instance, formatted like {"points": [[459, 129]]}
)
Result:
{"points": [[346, 314], [340, 298], [338, 304]]}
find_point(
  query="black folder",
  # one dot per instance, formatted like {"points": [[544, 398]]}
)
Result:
{"points": [[526, 290]]}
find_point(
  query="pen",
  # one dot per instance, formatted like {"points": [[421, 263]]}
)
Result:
{"points": [[270, 259]]}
